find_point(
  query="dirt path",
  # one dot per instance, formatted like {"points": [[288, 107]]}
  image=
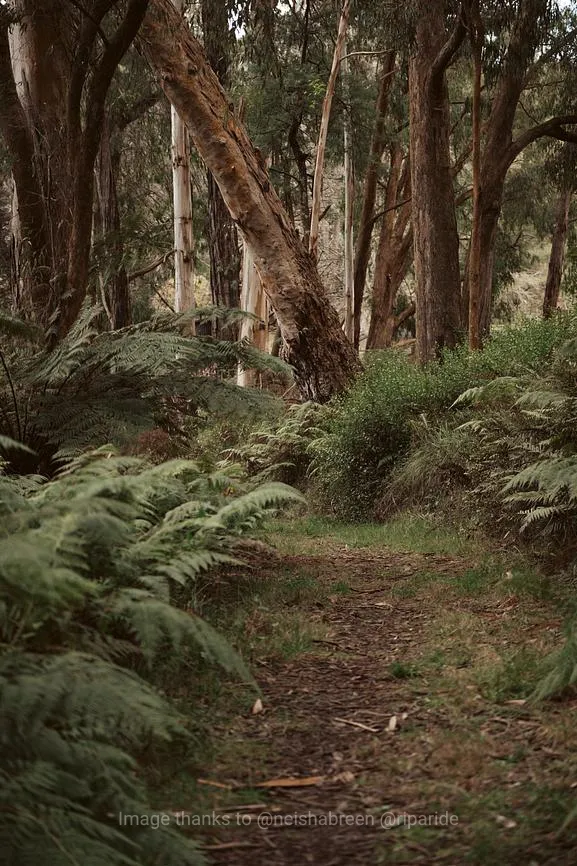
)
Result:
{"points": [[407, 712]]}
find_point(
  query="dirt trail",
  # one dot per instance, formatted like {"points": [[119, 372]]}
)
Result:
{"points": [[385, 719]]}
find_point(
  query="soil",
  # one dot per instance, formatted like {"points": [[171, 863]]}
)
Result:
{"points": [[379, 745]]}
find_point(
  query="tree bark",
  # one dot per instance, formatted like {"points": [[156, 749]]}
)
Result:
{"points": [[323, 360], [349, 182], [182, 204], [436, 241], [475, 255], [366, 221], [324, 128], [47, 74], [253, 301], [557, 257], [393, 251], [223, 243], [116, 295]]}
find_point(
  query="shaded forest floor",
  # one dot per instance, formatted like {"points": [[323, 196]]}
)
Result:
{"points": [[394, 664]]}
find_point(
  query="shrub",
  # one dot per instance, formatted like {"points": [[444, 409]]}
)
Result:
{"points": [[373, 425]]}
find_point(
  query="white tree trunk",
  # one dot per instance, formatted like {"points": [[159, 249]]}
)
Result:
{"points": [[323, 132], [182, 199], [253, 300], [349, 211]]}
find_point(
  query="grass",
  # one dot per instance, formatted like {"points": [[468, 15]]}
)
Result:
{"points": [[409, 532]]}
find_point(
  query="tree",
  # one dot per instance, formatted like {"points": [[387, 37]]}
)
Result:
{"points": [[436, 242], [223, 243], [517, 68], [53, 87], [366, 219], [323, 359]]}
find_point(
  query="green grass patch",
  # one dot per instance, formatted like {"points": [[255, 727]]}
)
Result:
{"points": [[407, 533]]}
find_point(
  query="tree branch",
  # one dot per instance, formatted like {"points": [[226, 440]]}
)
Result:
{"points": [[552, 128], [449, 49]]}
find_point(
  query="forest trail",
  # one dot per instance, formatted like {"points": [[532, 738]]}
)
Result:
{"points": [[407, 704]]}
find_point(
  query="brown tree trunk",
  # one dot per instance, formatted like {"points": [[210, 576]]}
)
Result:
{"points": [[366, 220], [323, 359], [499, 151], [557, 257], [223, 243], [474, 258], [436, 241], [115, 289], [54, 144], [393, 252]]}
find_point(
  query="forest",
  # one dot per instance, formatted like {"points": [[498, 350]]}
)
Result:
{"points": [[288, 432]]}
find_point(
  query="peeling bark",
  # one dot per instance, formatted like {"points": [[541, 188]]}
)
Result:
{"points": [[323, 359]]}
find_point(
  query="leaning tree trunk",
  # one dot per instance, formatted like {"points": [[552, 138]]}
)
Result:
{"points": [[323, 359], [223, 243], [557, 257], [436, 241]]}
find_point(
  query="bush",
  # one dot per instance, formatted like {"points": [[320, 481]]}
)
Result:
{"points": [[373, 425]]}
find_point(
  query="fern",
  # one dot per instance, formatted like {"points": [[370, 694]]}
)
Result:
{"points": [[97, 572], [94, 387]]}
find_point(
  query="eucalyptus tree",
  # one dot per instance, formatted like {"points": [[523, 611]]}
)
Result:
{"points": [[323, 360], [57, 61]]}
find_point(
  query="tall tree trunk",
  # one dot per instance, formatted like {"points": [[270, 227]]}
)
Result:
{"points": [[223, 243], [557, 257], [182, 203], [436, 241], [253, 301], [474, 258], [499, 150], [323, 360], [116, 295], [52, 72], [366, 221], [324, 128], [349, 181], [393, 252]]}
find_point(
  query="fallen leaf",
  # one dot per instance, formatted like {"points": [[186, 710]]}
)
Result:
{"points": [[518, 702], [257, 708]]}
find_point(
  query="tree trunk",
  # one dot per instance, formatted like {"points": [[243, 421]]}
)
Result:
{"points": [[182, 203], [366, 221], [349, 181], [557, 257], [116, 296], [49, 71], [324, 128], [436, 241], [223, 243], [323, 359], [499, 152], [253, 301], [393, 252], [474, 259]]}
